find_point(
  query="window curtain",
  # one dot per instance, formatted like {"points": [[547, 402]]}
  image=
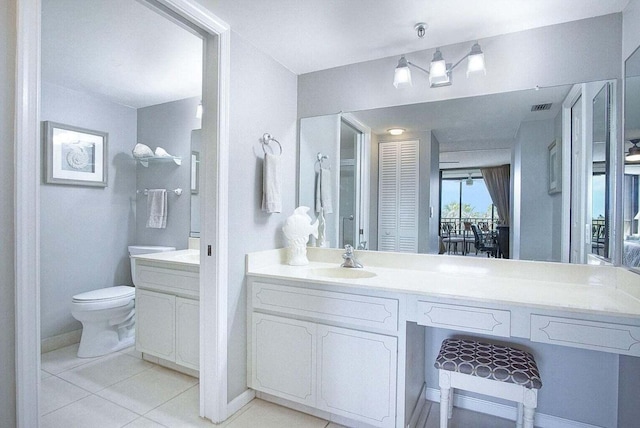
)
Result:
{"points": [[498, 184]]}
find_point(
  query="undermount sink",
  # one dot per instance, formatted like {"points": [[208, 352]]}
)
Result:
{"points": [[191, 257], [342, 273]]}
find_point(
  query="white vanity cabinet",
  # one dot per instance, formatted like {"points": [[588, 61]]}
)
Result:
{"points": [[167, 311], [333, 351]]}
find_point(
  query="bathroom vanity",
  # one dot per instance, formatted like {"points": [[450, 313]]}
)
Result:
{"points": [[348, 345], [167, 308]]}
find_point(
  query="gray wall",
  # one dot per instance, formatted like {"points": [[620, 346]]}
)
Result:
{"points": [[168, 126], [85, 230], [7, 206], [578, 51], [629, 387], [536, 205], [263, 99]]}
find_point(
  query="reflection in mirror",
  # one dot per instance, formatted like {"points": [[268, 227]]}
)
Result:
{"points": [[467, 134], [196, 139], [600, 148], [631, 181]]}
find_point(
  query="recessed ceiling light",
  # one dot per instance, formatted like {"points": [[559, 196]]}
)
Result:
{"points": [[395, 131]]}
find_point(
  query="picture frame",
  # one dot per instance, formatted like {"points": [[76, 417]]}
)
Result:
{"points": [[555, 171], [74, 155]]}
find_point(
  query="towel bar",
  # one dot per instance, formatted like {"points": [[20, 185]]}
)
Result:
{"points": [[177, 191]]}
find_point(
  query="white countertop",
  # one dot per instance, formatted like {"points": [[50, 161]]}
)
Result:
{"points": [[188, 257], [596, 290]]}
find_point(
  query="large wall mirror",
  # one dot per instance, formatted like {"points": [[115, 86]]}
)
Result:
{"points": [[432, 173], [631, 178]]}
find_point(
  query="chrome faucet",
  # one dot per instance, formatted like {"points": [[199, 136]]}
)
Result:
{"points": [[350, 260]]}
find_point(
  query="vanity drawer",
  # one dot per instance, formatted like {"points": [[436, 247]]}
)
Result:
{"points": [[599, 336], [176, 281], [353, 309], [495, 322]]}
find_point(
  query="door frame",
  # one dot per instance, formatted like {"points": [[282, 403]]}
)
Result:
{"points": [[214, 269]]}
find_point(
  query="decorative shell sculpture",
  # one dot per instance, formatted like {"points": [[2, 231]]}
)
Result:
{"points": [[297, 229]]}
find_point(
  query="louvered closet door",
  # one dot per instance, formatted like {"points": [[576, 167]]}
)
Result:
{"points": [[398, 197]]}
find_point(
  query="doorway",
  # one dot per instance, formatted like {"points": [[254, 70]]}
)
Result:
{"points": [[213, 300]]}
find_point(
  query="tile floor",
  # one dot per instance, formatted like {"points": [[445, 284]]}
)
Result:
{"points": [[122, 390]]}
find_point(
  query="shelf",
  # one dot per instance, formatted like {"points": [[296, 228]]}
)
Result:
{"points": [[153, 159]]}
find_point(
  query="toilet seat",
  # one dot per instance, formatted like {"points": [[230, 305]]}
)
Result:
{"points": [[104, 298]]}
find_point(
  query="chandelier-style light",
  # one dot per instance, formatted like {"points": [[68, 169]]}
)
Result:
{"points": [[439, 70]]}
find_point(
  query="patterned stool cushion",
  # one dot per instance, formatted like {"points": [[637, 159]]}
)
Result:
{"points": [[489, 361]]}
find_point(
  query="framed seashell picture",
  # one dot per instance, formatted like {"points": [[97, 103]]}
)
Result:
{"points": [[74, 155]]}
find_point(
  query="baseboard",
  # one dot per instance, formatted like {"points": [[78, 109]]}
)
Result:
{"points": [[171, 365], [504, 411], [60, 341], [240, 401]]}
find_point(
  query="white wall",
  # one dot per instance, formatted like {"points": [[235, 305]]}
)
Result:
{"points": [[578, 51], [263, 99], [536, 205], [7, 210], [85, 230], [169, 126]]}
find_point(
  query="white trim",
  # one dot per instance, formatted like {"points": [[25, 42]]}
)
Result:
{"points": [[505, 411], [240, 401], [60, 341], [213, 305], [27, 213], [363, 172]]}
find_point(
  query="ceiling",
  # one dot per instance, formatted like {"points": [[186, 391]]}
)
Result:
{"points": [[311, 35], [125, 52], [488, 124], [121, 50]]}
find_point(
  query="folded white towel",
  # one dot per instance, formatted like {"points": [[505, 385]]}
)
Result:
{"points": [[271, 187], [142, 151], [157, 208], [323, 191]]}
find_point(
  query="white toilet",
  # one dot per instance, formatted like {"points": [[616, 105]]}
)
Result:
{"points": [[108, 314]]}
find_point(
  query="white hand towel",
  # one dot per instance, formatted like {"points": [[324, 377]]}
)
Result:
{"points": [[323, 191], [271, 187], [157, 208]]}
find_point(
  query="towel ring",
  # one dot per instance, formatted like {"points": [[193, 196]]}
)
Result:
{"points": [[266, 139], [321, 158]]}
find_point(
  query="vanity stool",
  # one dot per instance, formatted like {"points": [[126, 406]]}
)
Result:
{"points": [[494, 370]]}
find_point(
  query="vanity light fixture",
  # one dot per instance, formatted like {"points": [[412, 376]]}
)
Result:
{"points": [[439, 70], [633, 155], [396, 131]]}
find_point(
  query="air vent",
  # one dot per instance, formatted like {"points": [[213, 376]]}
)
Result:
{"points": [[541, 107]]}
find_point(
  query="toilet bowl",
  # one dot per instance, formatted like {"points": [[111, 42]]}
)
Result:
{"points": [[108, 315]]}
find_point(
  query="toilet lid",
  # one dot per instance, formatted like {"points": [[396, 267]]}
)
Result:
{"points": [[103, 294]]}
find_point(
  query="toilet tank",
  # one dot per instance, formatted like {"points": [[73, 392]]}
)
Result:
{"points": [[135, 250]]}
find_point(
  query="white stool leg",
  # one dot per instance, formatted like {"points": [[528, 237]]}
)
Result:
{"points": [[520, 415], [450, 410], [444, 407], [528, 417]]}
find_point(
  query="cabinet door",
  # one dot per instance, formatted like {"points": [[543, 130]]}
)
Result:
{"points": [[155, 324], [283, 358], [187, 332], [398, 196], [357, 375]]}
